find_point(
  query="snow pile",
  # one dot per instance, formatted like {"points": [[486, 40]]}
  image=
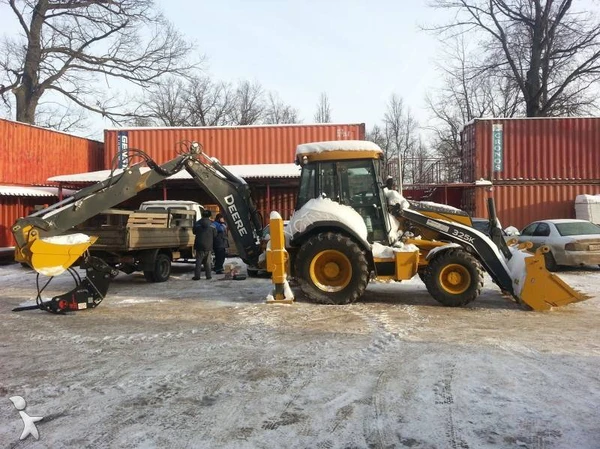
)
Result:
{"points": [[516, 268], [483, 182], [394, 197], [387, 252], [71, 239], [439, 206], [511, 230], [324, 209], [287, 292], [587, 207], [336, 145], [395, 230], [51, 271]]}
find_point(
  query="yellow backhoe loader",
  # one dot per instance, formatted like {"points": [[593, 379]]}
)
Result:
{"points": [[348, 229]]}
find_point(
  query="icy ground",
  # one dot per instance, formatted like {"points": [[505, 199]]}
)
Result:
{"points": [[208, 364]]}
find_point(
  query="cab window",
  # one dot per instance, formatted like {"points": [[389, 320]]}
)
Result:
{"points": [[327, 181], [307, 185]]}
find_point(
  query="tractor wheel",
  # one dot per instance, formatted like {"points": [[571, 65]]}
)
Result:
{"points": [[454, 278], [332, 269], [162, 269], [424, 274]]}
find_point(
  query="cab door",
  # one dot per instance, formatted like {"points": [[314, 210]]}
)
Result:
{"points": [[358, 189]]}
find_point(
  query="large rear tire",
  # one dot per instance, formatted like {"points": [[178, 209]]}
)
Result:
{"points": [[454, 278], [162, 269], [332, 269]]}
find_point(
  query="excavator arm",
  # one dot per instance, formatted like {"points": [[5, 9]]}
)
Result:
{"points": [[233, 196], [44, 241]]}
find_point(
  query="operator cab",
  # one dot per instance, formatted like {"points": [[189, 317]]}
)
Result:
{"points": [[345, 172]]}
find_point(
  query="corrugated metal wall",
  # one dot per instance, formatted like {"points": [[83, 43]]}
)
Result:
{"points": [[273, 144], [30, 155], [13, 208], [520, 204], [534, 149], [282, 200]]}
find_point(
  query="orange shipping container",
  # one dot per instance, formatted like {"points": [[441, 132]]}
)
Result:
{"points": [[518, 204], [232, 145], [30, 155], [12, 208], [532, 149]]}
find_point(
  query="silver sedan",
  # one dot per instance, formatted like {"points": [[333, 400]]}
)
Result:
{"points": [[571, 242]]}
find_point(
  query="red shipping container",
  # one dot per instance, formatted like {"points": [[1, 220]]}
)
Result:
{"points": [[532, 149], [30, 154], [12, 208], [232, 145], [520, 204]]}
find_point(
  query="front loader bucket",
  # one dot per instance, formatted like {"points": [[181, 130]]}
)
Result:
{"points": [[53, 257], [536, 286]]}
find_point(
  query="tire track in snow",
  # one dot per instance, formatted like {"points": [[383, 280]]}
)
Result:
{"points": [[386, 332], [445, 398], [380, 435]]}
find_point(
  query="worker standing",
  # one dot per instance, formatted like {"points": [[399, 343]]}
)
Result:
{"points": [[221, 243], [205, 233]]}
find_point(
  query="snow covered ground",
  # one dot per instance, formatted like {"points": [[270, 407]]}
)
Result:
{"points": [[207, 364]]}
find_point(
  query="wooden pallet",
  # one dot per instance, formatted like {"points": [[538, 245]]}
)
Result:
{"points": [[148, 220]]}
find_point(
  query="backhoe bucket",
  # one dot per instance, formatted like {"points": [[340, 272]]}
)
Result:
{"points": [[53, 256], [534, 285]]}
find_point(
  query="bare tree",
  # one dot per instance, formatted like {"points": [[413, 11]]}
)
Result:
{"points": [[210, 103], [398, 137], [165, 103], [466, 94], [249, 105], [323, 114], [550, 50], [277, 112], [379, 136], [67, 46]]}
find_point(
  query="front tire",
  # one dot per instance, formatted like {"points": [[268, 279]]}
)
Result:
{"points": [[550, 262], [162, 269], [332, 269], [454, 278]]}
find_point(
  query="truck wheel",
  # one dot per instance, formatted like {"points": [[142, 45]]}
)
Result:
{"points": [[454, 278], [332, 269], [162, 269]]}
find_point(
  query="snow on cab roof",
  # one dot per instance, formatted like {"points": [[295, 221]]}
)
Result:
{"points": [[32, 191], [337, 145]]}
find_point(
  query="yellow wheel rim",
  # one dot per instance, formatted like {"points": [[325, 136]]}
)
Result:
{"points": [[330, 271], [455, 279]]}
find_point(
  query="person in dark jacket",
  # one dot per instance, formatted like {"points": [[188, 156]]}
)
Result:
{"points": [[205, 232], [221, 243]]}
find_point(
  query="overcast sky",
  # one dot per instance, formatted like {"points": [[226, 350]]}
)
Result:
{"points": [[359, 52]]}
